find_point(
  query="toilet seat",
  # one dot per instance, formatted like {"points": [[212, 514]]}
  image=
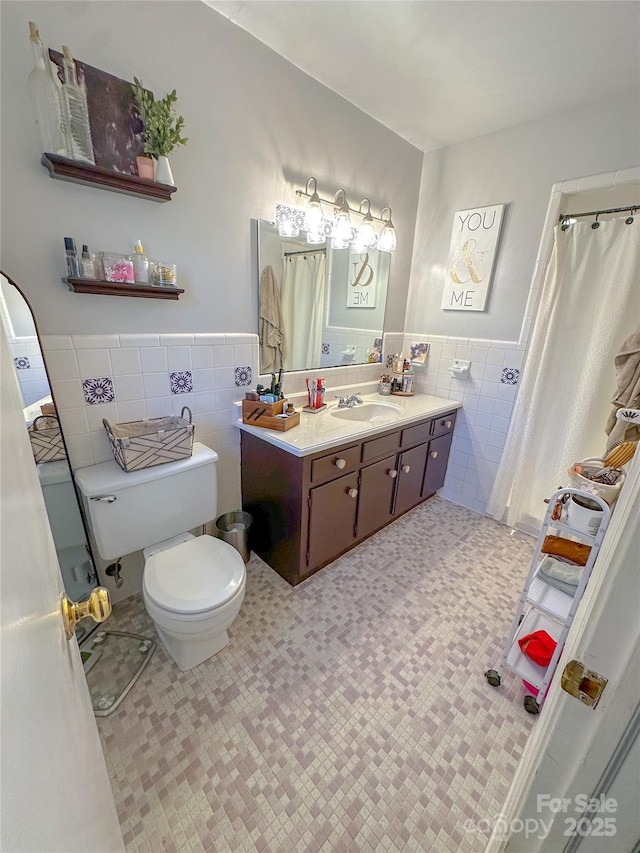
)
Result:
{"points": [[195, 576]]}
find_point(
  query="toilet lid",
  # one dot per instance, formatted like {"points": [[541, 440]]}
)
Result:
{"points": [[195, 576]]}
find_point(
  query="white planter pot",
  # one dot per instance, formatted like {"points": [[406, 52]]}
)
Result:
{"points": [[163, 172]]}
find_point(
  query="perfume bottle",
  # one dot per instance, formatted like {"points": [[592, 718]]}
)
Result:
{"points": [[45, 96], [76, 109], [73, 262], [140, 264], [87, 263]]}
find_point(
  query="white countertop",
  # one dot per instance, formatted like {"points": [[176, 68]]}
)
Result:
{"points": [[324, 431]]}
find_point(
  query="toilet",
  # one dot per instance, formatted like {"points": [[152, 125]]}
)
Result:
{"points": [[193, 586]]}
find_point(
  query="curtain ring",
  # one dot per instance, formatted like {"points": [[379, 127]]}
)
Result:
{"points": [[565, 224], [596, 224], [629, 218]]}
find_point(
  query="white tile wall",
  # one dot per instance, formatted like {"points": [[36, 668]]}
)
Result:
{"points": [[487, 403]]}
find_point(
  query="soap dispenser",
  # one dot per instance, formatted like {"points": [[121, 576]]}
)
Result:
{"points": [[140, 264]]}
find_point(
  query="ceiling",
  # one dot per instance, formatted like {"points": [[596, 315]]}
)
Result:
{"points": [[438, 72]]}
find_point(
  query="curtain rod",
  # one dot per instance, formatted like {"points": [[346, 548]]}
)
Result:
{"points": [[629, 207], [306, 252]]}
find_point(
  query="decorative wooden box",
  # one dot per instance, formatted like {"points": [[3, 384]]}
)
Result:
{"points": [[264, 415]]}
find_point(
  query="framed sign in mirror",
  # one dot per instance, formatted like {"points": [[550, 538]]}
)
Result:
{"points": [[318, 306]]}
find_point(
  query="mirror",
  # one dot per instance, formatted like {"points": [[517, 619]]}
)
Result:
{"points": [[318, 306], [66, 521]]}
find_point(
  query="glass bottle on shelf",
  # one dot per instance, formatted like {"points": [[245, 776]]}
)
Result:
{"points": [[140, 264], [74, 102], [45, 97]]}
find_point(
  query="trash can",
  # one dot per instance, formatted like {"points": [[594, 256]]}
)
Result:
{"points": [[233, 527]]}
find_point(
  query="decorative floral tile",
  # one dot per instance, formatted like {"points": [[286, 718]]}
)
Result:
{"points": [[510, 376], [98, 390], [243, 376], [181, 382], [21, 362], [326, 349]]}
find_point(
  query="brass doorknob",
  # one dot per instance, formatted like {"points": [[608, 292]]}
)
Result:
{"points": [[392, 473], [353, 493], [97, 606], [341, 463], [434, 454], [406, 468]]}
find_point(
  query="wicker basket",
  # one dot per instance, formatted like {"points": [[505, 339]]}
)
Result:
{"points": [[46, 439], [143, 444]]}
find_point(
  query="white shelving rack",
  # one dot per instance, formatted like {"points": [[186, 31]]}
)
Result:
{"points": [[543, 607]]}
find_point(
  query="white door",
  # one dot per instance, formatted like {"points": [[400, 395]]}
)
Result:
{"points": [[55, 789], [578, 755]]}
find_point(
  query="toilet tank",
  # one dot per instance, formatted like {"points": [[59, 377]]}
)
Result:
{"points": [[150, 505]]}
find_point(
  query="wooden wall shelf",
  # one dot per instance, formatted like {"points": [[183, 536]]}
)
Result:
{"points": [[84, 173], [114, 288]]}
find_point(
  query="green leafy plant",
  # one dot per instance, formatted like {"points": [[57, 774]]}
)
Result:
{"points": [[162, 127]]}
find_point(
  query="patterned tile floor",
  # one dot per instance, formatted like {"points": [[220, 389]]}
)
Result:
{"points": [[347, 714]]}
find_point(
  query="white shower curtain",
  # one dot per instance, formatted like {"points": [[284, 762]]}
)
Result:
{"points": [[303, 306], [590, 303]]}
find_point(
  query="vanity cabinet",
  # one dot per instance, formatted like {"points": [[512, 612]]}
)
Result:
{"points": [[308, 510]]}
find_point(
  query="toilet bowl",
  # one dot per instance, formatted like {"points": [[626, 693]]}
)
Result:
{"points": [[193, 588]]}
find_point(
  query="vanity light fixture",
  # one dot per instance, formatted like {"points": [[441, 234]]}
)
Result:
{"points": [[387, 241], [291, 220]]}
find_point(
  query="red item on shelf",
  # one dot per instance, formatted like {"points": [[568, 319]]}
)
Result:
{"points": [[538, 646]]}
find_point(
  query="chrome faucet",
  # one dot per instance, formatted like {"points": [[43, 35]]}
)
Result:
{"points": [[349, 402]]}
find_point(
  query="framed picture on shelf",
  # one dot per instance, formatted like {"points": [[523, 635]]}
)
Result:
{"points": [[116, 128]]}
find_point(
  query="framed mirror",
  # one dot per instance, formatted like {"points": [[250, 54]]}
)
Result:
{"points": [[65, 518], [318, 306]]}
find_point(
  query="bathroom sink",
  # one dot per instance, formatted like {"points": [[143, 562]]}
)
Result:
{"points": [[368, 413]]}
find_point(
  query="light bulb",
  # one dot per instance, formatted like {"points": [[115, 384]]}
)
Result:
{"points": [[366, 237], [387, 240], [313, 214]]}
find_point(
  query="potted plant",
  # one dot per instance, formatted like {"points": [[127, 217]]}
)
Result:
{"points": [[162, 128]]}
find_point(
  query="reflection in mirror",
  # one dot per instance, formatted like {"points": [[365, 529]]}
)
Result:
{"points": [[67, 526], [318, 306]]}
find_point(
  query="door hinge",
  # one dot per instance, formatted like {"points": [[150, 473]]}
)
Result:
{"points": [[309, 501], [583, 684], [307, 558]]}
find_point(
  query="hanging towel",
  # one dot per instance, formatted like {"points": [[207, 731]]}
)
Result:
{"points": [[627, 364], [271, 324]]}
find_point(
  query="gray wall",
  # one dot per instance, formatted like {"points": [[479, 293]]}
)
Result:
{"points": [[517, 167], [257, 128]]}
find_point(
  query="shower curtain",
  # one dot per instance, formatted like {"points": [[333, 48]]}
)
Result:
{"points": [[590, 303], [303, 306]]}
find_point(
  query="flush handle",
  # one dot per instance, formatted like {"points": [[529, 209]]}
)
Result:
{"points": [[353, 493], [434, 454], [392, 473], [109, 499], [341, 463], [583, 684], [97, 606], [406, 468]]}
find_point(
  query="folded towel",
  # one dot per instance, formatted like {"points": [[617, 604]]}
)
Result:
{"points": [[566, 572], [556, 584], [558, 546]]}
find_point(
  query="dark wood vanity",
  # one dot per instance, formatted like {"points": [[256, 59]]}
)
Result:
{"points": [[308, 510]]}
